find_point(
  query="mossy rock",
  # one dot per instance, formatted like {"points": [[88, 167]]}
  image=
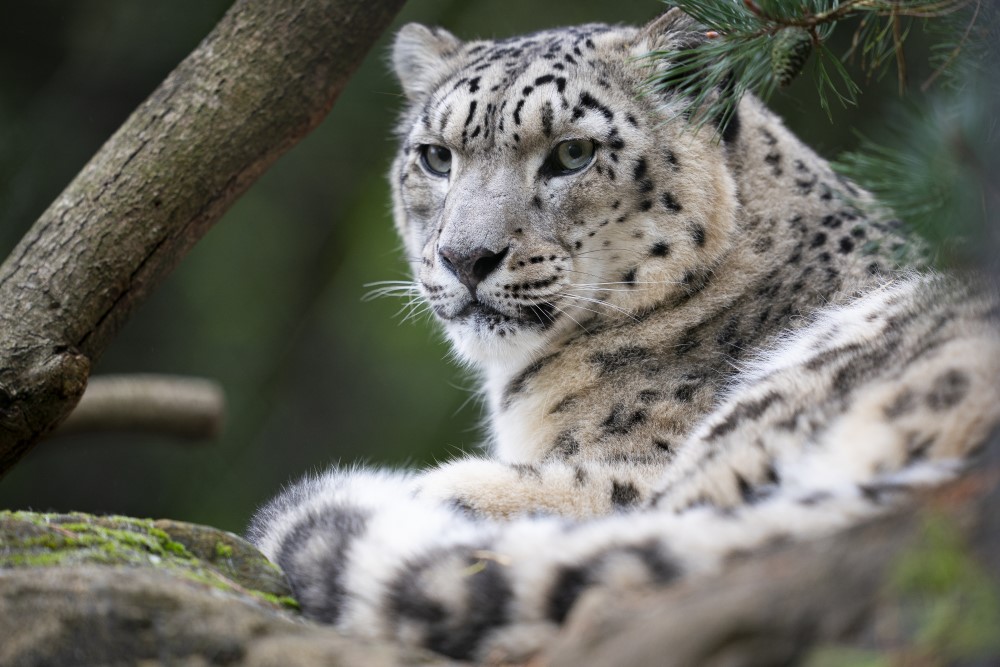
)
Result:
{"points": [[200, 554], [77, 589]]}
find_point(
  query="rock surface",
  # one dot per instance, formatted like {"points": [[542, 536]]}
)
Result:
{"points": [[82, 590]]}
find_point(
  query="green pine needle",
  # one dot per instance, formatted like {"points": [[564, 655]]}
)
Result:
{"points": [[738, 53]]}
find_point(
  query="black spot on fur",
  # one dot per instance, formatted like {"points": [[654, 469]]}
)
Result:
{"points": [[629, 277], [472, 113], [833, 355], [660, 249], [670, 202], [517, 116], [664, 446], [774, 159], [640, 169], [621, 421], [903, 404], [745, 411], [316, 580], [571, 581], [815, 498], [517, 385], [588, 102], [647, 396], [948, 390], [629, 357], [698, 235], [462, 507], [917, 447], [547, 116], [689, 341], [731, 129], [526, 470], [685, 392], [565, 445], [623, 494], [751, 494], [568, 584], [455, 633]]}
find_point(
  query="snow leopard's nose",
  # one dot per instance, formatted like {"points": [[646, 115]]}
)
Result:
{"points": [[473, 267]]}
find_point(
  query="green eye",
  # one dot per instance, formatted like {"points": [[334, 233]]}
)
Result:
{"points": [[436, 159], [572, 155]]}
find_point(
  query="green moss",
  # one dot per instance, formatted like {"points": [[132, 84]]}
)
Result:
{"points": [[281, 600], [197, 554], [223, 550], [952, 601], [839, 656]]}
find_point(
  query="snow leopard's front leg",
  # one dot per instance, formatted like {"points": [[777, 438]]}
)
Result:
{"points": [[487, 488]]}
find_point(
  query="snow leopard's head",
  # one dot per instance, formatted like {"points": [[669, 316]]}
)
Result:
{"points": [[540, 190]]}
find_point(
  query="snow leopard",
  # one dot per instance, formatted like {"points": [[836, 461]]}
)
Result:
{"points": [[693, 339]]}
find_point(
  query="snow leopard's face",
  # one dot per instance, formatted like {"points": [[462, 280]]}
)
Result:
{"points": [[538, 192]]}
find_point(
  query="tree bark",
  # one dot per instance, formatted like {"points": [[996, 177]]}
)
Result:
{"points": [[266, 75]]}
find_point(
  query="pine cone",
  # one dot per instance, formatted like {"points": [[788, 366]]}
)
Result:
{"points": [[790, 48]]}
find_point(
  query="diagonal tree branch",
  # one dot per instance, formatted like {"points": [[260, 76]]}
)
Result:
{"points": [[267, 74]]}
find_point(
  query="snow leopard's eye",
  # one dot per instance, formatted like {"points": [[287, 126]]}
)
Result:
{"points": [[436, 159], [572, 155]]}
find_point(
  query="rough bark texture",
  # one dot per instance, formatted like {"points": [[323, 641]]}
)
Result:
{"points": [[265, 76]]}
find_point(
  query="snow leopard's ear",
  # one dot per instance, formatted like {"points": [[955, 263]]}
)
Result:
{"points": [[420, 57], [676, 31], [672, 30]]}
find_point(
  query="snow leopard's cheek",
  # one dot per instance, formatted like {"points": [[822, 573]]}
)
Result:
{"points": [[420, 202]]}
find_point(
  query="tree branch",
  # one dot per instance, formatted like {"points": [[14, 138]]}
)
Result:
{"points": [[190, 408], [265, 76]]}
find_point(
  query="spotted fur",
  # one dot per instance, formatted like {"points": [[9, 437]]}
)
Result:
{"points": [[690, 348]]}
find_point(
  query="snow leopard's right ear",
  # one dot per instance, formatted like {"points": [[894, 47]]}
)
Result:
{"points": [[420, 56], [673, 30]]}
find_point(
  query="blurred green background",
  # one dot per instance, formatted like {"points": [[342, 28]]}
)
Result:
{"points": [[270, 302]]}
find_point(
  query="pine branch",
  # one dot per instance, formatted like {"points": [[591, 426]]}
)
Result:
{"points": [[763, 45]]}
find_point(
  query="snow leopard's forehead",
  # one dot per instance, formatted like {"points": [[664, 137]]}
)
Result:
{"points": [[500, 93]]}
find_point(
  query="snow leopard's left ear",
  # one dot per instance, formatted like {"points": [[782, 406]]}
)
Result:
{"points": [[420, 57]]}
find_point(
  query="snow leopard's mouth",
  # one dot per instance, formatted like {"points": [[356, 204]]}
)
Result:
{"points": [[537, 315]]}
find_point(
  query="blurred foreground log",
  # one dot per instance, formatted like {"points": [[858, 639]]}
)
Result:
{"points": [[266, 75], [920, 586]]}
